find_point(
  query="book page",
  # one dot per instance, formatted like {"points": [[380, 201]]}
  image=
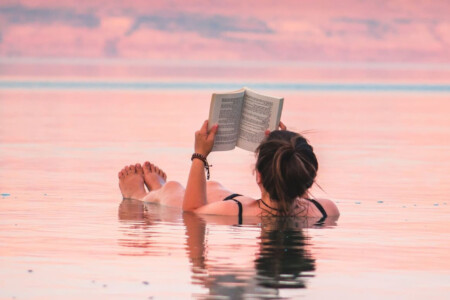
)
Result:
{"points": [[226, 110], [259, 113]]}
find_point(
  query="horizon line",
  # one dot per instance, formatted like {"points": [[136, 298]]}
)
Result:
{"points": [[444, 66], [186, 85]]}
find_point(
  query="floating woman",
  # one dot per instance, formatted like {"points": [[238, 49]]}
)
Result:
{"points": [[286, 168]]}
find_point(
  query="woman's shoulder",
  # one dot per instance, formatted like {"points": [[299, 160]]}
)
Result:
{"points": [[230, 206], [225, 208], [329, 206]]}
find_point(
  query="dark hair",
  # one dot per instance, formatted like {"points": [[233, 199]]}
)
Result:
{"points": [[288, 167]]}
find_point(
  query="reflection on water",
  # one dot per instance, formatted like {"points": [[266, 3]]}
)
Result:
{"points": [[278, 257], [283, 259]]}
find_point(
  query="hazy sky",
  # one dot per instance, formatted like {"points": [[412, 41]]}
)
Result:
{"points": [[345, 30]]}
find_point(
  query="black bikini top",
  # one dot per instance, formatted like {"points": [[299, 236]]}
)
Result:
{"points": [[317, 204], [231, 197]]}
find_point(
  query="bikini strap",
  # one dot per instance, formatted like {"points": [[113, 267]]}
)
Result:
{"points": [[268, 206], [231, 197], [319, 207]]}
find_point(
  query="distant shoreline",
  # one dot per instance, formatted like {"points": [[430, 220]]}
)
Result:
{"points": [[185, 85]]}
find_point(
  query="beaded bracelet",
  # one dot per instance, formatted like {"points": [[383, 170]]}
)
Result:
{"points": [[205, 162]]}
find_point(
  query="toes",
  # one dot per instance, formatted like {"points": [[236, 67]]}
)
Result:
{"points": [[130, 170], [138, 168], [151, 168], [147, 167], [160, 173], [122, 173]]}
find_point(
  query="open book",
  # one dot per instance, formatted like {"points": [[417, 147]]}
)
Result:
{"points": [[243, 117]]}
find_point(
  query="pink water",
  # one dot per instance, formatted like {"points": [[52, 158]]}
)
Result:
{"points": [[384, 158]]}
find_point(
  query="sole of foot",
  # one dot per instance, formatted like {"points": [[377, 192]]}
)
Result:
{"points": [[131, 182], [154, 177]]}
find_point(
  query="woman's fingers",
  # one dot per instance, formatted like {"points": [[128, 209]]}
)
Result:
{"points": [[204, 140], [281, 126], [212, 133], [204, 129]]}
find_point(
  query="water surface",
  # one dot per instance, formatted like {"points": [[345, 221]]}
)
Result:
{"points": [[384, 158]]}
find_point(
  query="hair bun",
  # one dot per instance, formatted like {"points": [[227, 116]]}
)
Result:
{"points": [[288, 167]]}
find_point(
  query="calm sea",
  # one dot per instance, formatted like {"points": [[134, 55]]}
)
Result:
{"points": [[383, 149]]}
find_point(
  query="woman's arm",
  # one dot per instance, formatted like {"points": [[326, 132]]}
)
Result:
{"points": [[195, 194]]}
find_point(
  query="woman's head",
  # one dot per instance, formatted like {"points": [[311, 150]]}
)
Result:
{"points": [[287, 166]]}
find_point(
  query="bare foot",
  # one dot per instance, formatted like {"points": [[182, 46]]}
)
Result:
{"points": [[131, 182], [154, 177]]}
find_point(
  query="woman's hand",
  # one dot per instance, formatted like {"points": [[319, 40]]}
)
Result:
{"points": [[204, 140], [281, 126]]}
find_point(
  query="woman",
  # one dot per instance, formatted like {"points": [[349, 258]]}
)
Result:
{"points": [[286, 167]]}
